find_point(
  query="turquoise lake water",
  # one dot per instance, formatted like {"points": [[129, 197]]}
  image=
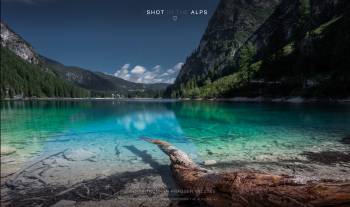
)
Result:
{"points": [[98, 134]]}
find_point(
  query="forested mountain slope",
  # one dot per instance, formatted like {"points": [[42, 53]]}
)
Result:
{"points": [[104, 84], [300, 50], [20, 78], [24, 73]]}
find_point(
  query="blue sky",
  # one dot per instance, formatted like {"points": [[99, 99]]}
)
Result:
{"points": [[112, 36]]}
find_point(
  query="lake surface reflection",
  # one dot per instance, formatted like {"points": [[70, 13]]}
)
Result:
{"points": [[100, 135]]}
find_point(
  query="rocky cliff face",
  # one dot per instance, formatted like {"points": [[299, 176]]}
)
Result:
{"points": [[17, 45], [301, 49], [23, 74], [231, 25], [291, 20], [298, 49]]}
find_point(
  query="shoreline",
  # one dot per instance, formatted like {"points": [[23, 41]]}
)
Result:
{"points": [[153, 186], [260, 99], [296, 100]]}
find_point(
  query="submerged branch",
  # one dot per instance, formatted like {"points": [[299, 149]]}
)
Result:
{"points": [[246, 188]]}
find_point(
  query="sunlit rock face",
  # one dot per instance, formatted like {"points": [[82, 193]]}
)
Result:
{"points": [[16, 44]]}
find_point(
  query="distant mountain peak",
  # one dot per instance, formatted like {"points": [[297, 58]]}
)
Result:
{"points": [[17, 45]]}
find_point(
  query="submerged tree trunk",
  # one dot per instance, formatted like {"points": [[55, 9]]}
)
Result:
{"points": [[247, 188]]}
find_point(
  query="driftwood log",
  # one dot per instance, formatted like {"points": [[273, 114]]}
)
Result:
{"points": [[246, 188]]}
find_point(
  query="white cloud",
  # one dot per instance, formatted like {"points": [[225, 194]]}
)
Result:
{"points": [[123, 72], [157, 67], [138, 69], [126, 66], [178, 66], [171, 71], [141, 74]]}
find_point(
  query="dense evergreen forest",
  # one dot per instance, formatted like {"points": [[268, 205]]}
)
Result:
{"points": [[22, 79]]}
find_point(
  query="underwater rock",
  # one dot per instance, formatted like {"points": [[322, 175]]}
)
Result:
{"points": [[209, 162], [79, 155], [209, 152], [265, 157], [247, 188], [7, 150], [64, 203], [117, 150], [327, 157]]}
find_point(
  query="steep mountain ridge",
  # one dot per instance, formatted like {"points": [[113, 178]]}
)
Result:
{"points": [[291, 20], [300, 50], [20, 79], [16, 44], [17, 76], [231, 25]]}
